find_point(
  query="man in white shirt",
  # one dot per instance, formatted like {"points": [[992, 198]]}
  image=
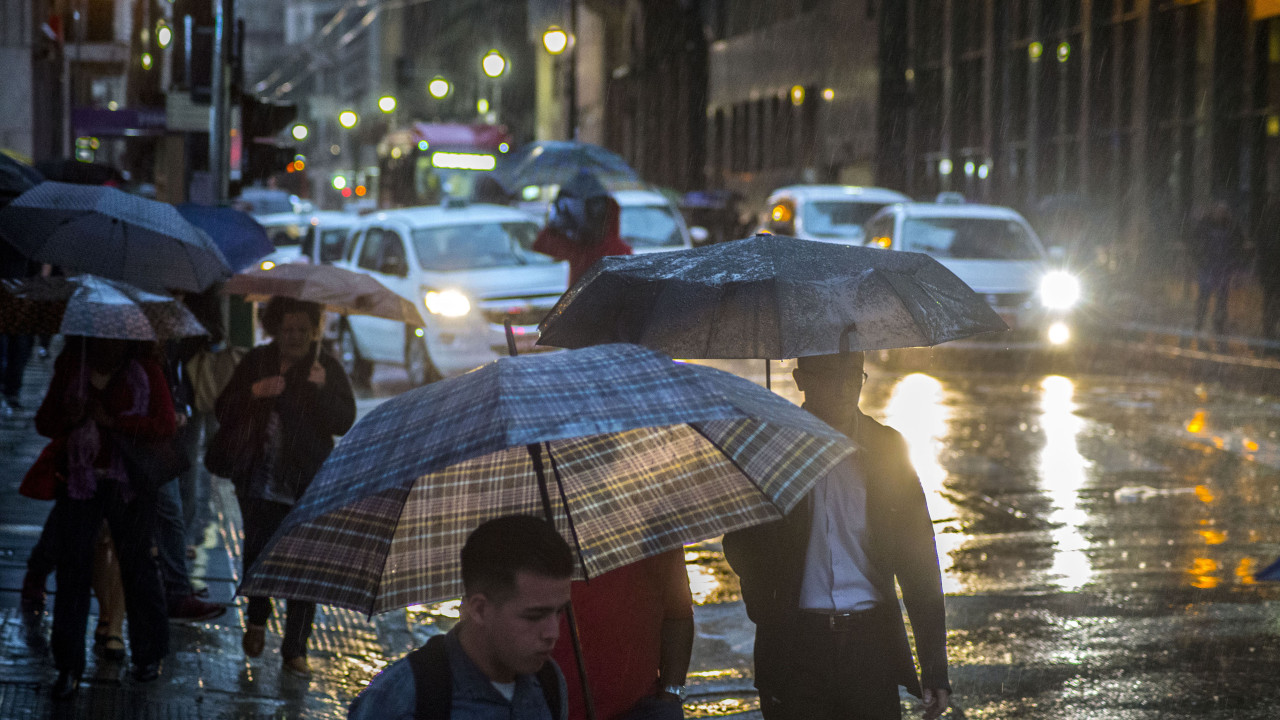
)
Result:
{"points": [[820, 583]]}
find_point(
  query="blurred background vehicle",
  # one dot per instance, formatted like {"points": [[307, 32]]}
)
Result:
{"points": [[827, 213]]}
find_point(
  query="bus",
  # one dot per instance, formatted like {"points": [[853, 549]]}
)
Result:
{"points": [[426, 162]]}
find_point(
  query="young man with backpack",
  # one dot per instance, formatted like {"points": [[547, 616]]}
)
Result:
{"points": [[496, 662]]}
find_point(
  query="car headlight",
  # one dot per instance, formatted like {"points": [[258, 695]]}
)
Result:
{"points": [[1059, 290], [267, 265], [449, 303]]}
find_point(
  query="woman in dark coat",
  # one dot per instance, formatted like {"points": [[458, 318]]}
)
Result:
{"points": [[278, 416]]}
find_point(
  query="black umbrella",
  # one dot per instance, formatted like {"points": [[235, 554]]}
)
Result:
{"points": [[16, 178], [104, 231], [555, 162], [768, 297], [78, 172]]}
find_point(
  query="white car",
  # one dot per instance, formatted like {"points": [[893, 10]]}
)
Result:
{"points": [[467, 268], [649, 222], [996, 252], [826, 213], [317, 237]]}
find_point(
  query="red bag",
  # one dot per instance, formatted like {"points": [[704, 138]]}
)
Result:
{"points": [[46, 474]]}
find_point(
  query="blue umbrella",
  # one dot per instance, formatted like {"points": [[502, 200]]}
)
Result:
{"points": [[240, 238]]}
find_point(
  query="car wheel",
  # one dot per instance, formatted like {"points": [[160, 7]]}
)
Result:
{"points": [[358, 369], [417, 362]]}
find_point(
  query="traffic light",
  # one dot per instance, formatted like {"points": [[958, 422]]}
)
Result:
{"points": [[262, 125]]}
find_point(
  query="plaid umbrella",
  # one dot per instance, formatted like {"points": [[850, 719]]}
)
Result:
{"points": [[92, 307], [642, 454], [110, 233], [339, 290]]}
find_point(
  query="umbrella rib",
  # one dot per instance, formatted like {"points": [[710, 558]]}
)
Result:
{"points": [[564, 500], [373, 601], [741, 470]]}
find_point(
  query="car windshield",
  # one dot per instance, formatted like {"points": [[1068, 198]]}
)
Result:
{"points": [[837, 218], [969, 239], [284, 235], [478, 245], [649, 226]]}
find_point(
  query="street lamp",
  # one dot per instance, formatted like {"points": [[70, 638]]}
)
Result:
{"points": [[300, 132], [555, 40], [494, 64], [438, 87], [164, 35], [387, 104], [348, 119]]}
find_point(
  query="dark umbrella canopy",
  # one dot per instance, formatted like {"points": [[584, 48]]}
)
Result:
{"points": [[643, 454], [240, 238], [555, 162], [113, 234], [768, 297], [16, 178]]}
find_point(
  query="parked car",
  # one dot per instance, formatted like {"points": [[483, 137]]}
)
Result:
{"points": [[468, 268], [827, 213], [270, 201], [996, 252]]}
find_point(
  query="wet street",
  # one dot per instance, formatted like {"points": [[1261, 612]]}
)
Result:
{"points": [[1098, 537]]}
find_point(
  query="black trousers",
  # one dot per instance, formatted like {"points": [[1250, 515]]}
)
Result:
{"points": [[806, 672], [77, 522], [261, 519]]}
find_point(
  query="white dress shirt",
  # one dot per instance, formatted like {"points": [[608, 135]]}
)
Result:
{"points": [[837, 571]]}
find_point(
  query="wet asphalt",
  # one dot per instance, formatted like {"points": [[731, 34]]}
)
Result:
{"points": [[1098, 523]]}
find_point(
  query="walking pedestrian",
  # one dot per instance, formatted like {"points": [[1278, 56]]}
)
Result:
{"points": [[495, 664], [102, 393], [583, 225], [636, 628], [277, 418], [1216, 245], [820, 583]]}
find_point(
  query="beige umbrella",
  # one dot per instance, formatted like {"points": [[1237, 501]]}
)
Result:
{"points": [[338, 290]]}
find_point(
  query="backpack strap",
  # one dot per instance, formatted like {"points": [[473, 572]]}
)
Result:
{"points": [[432, 680]]}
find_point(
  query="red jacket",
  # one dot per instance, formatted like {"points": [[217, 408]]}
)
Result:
{"points": [[582, 257]]}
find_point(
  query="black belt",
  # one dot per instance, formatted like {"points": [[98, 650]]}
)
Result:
{"points": [[816, 621]]}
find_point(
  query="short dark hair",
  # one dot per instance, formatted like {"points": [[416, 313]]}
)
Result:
{"points": [[272, 313], [504, 546]]}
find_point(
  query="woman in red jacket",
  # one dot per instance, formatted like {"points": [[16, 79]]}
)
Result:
{"points": [[103, 390], [583, 226]]}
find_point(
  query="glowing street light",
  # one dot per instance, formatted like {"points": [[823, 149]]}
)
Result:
{"points": [[555, 40], [438, 87], [494, 64], [300, 132], [482, 106], [146, 61], [164, 35], [387, 104], [348, 119]]}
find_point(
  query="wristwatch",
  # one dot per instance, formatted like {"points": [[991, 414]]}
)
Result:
{"points": [[677, 690]]}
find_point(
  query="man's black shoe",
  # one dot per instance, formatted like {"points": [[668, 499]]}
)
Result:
{"points": [[146, 672], [66, 684]]}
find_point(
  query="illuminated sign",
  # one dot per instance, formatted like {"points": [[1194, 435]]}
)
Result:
{"points": [[463, 161]]}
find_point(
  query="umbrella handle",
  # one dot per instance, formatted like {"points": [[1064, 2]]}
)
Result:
{"points": [[511, 337]]}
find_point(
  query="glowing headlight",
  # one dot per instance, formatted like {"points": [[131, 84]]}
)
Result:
{"points": [[449, 303], [267, 265], [1059, 290]]}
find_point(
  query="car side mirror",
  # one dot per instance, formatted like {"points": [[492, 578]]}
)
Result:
{"points": [[698, 235]]}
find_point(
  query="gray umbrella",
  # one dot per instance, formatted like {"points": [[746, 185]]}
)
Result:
{"points": [[110, 233], [768, 297]]}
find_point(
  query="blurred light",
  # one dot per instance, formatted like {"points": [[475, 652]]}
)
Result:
{"points": [[1273, 125], [387, 104], [969, 168], [504, 147], [1204, 494], [335, 150], [164, 35], [348, 119], [1059, 290], [267, 265], [781, 213], [945, 166], [1035, 50], [529, 193], [438, 87], [1059, 333], [113, 106], [300, 132], [983, 171], [1197, 423], [910, 74], [300, 165], [555, 40], [346, 192], [289, 168], [797, 95], [1064, 51], [449, 303], [463, 161], [361, 191], [828, 94], [882, 241], [493, 63], [482, 106], [396, 153], [423, 145], [146, 61], [418, 332], [339, 182]]}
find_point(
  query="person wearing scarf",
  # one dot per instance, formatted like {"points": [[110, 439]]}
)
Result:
{"points": [[102, 389]]}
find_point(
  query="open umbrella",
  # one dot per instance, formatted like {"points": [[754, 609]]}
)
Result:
{"points": [[555, 162], [91, 306], [768, 297], [339, 290], [16, 178], [240, 238], [113, 234], [642, 455]]}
